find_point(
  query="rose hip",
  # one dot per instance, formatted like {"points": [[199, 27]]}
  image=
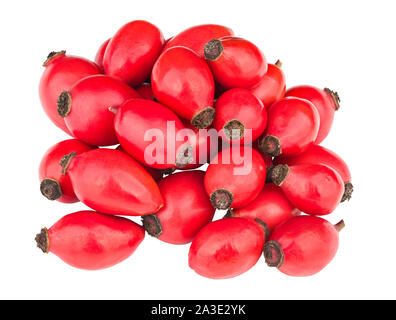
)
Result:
{"points": [[238, 110], [302, 246], [292, 127], [53, 184], [85, 108], [226, 248], [235, 178], [196, 37], [132, 51], [320, 155], [100, 54], [183, 81], [135, 120], [60, 74], [313, 188], [186, 211], [272, 85], [235, 62], [90, 240], [111, 182], [271, 207], [325, 101]]}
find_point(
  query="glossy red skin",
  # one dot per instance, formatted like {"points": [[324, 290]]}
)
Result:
{"points": [[135, 118], [295, 122], [183, 81], [155, 173], [309, 244], [60, 74], [195, 38], [271, 206], [244, 188], [240, 104], [145, 91], [132, 52], [202, 145], [226, 248], [241, 64], [100, 54], [271, 87], [50, 167], [323, 102], [90, 119], [111, 182], [92, 241], [319, 155], [313, 188], [187, 208]]}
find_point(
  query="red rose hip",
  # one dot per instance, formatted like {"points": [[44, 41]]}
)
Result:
{"points": [[292, 127], [131, 53], [302, 246], [238, 110], [183, 81], [111, 182], [60, 74], [136, 120], [235, 62], [186, 211], [320, 155], [226, 248], [271, 207], [100, 54], [195, 38], [85, 108], [235, 177], [272, 85], [325, 101], [145, 91], [53, 184], [313, 188], [90, 240]]}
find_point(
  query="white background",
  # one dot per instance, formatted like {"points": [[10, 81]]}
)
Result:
{"points": [[348, 46]]}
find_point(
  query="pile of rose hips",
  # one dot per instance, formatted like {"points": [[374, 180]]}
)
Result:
{"points": [[204, 77]]}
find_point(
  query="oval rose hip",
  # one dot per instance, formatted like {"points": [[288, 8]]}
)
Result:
{"points": [[85, 108], [271, 207], [226, 248], [100, 54], [61, 73], [235, 177], [183, 81], [90, 240], [325, 101], [186, 211], [111, 182], [131, 53], [235, 62], [272, 85], [313, 188], [196, 37], [53, 184], [292, 127], [238, 110], [302, 246], [320, 155], [138, 122]]}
